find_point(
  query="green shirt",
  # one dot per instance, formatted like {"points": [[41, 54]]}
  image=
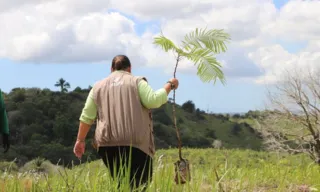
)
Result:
{"points": [[149, 99], [4, 127]]}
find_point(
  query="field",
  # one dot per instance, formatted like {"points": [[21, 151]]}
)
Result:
{"points": [[238, 170]]}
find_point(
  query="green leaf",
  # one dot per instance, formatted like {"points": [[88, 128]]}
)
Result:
{"points": [[200, 46], [209, 69], [166, 44], [213, 39]]}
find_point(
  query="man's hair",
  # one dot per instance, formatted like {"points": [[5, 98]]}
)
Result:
{"points": [[120, 62]]}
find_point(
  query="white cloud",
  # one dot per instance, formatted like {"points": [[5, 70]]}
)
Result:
{"points": [[297, 20], [16, 4], [162, 9], [84, 31], [275, 61], [37, 34], [232, 18]]}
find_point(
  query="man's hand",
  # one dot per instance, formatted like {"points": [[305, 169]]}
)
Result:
{"points": [[175, 82], [6, 142], [79, 148]]}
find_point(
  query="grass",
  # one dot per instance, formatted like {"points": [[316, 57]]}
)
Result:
{"points": [[238, 170]]}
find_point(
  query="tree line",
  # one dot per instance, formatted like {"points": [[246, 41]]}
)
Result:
{"points": [[44, 123]]}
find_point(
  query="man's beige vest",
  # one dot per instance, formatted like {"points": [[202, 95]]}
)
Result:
{"points": [[122, 120]]}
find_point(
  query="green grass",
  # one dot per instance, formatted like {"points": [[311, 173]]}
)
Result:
{"points": [[238, 170]]}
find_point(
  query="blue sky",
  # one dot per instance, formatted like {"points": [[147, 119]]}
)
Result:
{"points": [[235, 96]]}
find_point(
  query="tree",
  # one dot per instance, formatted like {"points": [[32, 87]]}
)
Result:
{"points": [[236, 116], [293, 124], [236, 129], [78, 89], [199, 46], [64, 86], [217, 144], [189, 106]]}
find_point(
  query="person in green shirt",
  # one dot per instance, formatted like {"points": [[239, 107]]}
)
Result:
{"points": [[4, 127], [149, 98]]}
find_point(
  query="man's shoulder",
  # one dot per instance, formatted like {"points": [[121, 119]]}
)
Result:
{"points": [[139, 78], [102, 82], [99, 83]]}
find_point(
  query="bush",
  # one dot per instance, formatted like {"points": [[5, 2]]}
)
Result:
{"points": [[189, 106], [217, 144], [7, 166], [40, 165], [236, 129], [161, 115]]}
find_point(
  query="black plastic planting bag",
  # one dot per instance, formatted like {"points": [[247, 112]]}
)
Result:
{"points": [[182, 171]]}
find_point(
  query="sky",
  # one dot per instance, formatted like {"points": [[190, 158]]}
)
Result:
{"points": [[44, 40]]}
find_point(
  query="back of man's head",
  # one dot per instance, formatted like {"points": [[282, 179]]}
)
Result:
{"points": [[121, 62]]}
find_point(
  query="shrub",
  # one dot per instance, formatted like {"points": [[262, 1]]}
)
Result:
{"points": [[40, 165], [7, 166]]}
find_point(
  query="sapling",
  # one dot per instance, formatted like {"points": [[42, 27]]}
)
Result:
{"points": [[200, 47]]}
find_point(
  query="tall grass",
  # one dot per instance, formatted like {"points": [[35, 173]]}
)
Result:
{"points": [[237, 170]]}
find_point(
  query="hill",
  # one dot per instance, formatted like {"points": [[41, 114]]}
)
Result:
{"points": [[44, 123]]}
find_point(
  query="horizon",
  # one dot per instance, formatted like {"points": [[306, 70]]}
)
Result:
{"points": [[77, 40], [71, 90]]}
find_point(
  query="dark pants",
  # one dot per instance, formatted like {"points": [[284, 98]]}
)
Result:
{"points": [[118, 157]]}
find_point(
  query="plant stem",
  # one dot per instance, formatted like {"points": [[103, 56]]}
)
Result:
{"points": [[174, 109], [218, 180]]}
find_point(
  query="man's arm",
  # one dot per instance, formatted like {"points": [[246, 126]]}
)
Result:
{"points": [[87, 117], [153, 99]]}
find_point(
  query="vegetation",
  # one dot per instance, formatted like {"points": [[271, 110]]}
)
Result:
{"points": [[268, 150], [293, 125], [44, 123], [200, 47], [238, 170], [64, 86]]}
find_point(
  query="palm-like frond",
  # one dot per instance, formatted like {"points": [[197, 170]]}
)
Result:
{"points": [[67, 85], [213, 39], [200, 47], [60, 82], [209, 69], [166, 44]]}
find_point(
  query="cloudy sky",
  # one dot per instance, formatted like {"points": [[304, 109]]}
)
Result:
{"points": [[43, 40]]}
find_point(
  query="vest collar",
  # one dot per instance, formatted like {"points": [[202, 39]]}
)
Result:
{"points": [[121, 71]]}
